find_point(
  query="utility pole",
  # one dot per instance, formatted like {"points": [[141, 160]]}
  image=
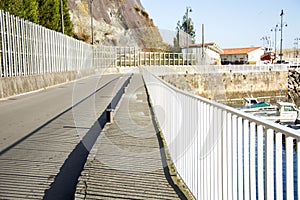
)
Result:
{"points": [[275, 39], [202, 41], [92, 25], [281, 34], [62, 17], [188, 9], [297, 49]]}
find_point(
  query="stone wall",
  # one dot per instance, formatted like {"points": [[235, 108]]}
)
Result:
{"points": [[294, 86], [10, 86], [225, 86]]}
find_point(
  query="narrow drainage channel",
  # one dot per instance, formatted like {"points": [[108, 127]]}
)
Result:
{"points": [[64, 185]]}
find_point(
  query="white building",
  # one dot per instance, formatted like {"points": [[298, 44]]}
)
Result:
{"points": [[249, 55], [207, 53]]}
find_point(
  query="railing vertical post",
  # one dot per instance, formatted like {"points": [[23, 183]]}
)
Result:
{"points": [[240, 159], [160, 58], [36, 60], [206, 157], [26, 48], [120, 56], [289, 168], [298, 168], [252, 161], [23, 48], [212, 152], [246, 135], [125, 57], [9, 46], [278, 160], [260, 162], [19, 55], [174, 59], [224, 156], [14, 48], [3, 69], [234, 158], [140, 57], [219, 140], [135, 57], [269, 164], [201, 151]]}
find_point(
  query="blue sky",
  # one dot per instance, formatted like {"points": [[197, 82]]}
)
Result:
{"points": [[230, 23]]}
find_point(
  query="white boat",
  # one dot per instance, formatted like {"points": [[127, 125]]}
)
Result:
{"points": [[252, 105], [285, 113]]}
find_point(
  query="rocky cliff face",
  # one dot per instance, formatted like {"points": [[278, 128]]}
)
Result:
{"points": [[294, 86], [116, 22]]}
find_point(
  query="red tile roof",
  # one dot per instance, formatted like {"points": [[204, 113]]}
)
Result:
{"points": [[239, 50]]}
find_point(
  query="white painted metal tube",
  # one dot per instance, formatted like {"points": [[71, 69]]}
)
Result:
{"points": [[248, 154]]}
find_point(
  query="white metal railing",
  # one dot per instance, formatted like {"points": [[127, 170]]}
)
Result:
{"points": [[27, 48], [165, 70], [130, 56], [221, 152]]}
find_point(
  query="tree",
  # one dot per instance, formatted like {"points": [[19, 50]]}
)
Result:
{"points": [[31, 11], [186, 26], [27, 9], [49, 14], [176, 46], [44, 12]]}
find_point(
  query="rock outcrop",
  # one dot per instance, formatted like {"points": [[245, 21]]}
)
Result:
{"points": [[294, 86], [116, 22]]}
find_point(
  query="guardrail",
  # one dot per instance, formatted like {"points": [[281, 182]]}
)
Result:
{"points": [[131, 56], [203, 69], [27, 48], [224, 153]]}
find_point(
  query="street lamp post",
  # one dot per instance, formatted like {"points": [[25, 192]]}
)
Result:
{"points": [[92, 26], [275, 38], [62, 17], [297, 49], [281, 34], [188, 9], [266, 43]]}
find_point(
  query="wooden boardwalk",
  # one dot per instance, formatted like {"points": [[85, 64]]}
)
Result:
{"points": [[126, 161]]}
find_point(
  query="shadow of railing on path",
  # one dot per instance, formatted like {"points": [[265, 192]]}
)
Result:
{"points": [[53, 154]]}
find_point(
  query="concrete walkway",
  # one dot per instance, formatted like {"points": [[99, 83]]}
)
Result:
{"points": [[126, 161], [46, 163]]}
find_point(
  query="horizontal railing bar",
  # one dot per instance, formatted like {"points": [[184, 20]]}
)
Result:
{"points": [[259, 121]]}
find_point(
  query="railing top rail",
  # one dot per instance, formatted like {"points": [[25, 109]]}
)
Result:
{"points": [[224, 68], [259, 121]]}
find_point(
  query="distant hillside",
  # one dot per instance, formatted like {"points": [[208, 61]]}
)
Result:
{"points": [[116, 22]]}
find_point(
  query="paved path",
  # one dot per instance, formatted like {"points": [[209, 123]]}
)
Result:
{"points": [[126, 161], [21, 115], [52, 145]]}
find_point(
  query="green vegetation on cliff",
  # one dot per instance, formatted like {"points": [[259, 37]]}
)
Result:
{"points": [[43, 12]]}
